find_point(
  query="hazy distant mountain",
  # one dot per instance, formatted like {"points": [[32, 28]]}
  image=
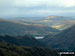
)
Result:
{"points": [[11, 27], [58, 22], [26, 18], [63, 41]]}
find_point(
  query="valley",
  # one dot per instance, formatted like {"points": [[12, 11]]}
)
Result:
{"points": [[58, 22], [11, 27], [41, 37], [37, 27]]}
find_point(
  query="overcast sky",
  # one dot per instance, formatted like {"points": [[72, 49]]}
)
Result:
{"points": [[35, 8]]}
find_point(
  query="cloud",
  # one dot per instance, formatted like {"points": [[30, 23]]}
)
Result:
{"points": [[33, 3], [68, 3], [36, 7]]}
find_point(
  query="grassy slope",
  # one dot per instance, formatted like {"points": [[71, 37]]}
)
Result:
{"points": [[64, 41], [8, 27], [12, 50]]}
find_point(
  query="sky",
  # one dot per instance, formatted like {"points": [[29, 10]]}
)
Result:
{"points": [[36, 8]]}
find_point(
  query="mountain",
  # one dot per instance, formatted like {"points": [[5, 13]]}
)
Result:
{"points": [[64, 41], [11, 27], [25, 18], [58, 22], [26, 40], [13, 50]]}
